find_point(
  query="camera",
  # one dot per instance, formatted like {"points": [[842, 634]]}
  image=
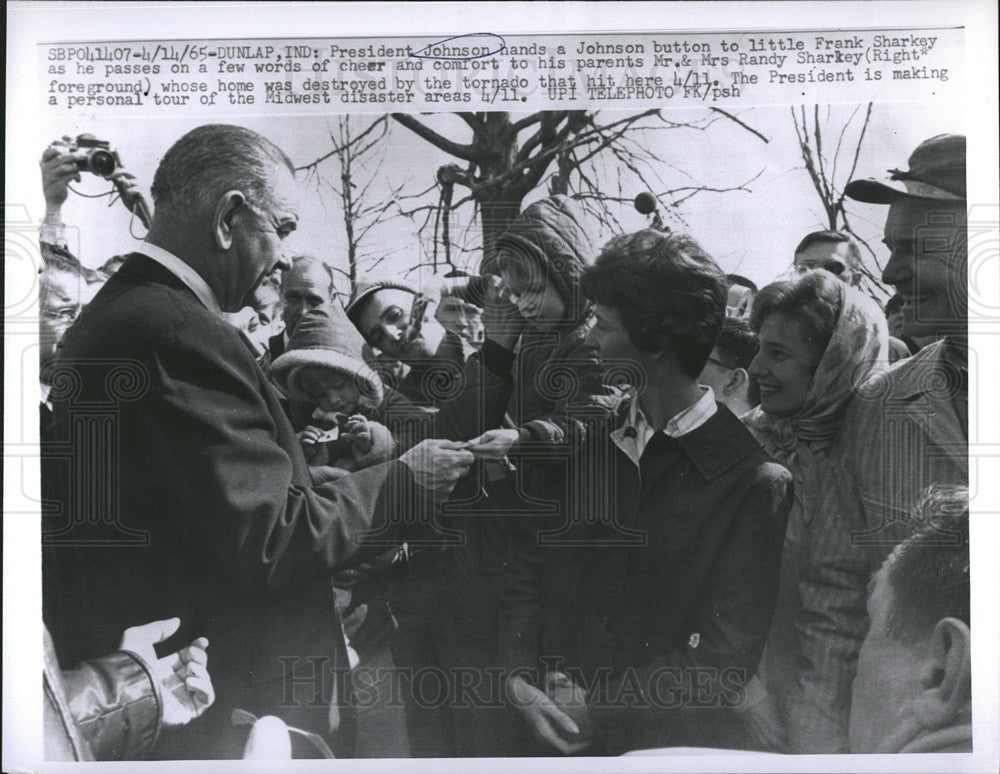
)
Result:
{"points": [[99, 158]]}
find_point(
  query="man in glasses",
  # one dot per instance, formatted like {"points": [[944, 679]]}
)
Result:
{"points": [[726, 371]]}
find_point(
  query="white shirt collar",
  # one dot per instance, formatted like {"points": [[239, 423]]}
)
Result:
{"points": [[633, 436], [185, 274]]}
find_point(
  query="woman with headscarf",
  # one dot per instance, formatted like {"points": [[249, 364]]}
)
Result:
{"points": [[819, 340]]}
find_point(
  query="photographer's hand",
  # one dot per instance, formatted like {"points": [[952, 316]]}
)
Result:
{"points": [[59, 167]]}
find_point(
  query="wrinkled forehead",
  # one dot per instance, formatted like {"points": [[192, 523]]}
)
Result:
{"points": [[284, 188], [306, 275]]}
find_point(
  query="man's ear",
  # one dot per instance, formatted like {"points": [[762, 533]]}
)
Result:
{"points": [[226, 210], [738, 380], [945, 675]]}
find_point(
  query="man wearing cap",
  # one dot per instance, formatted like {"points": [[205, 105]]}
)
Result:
{"points": [[909, 424]]}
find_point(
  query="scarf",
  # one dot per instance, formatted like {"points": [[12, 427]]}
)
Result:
{"points": [[857, 347]]}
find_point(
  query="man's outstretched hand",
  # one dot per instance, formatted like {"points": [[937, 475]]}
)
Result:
{"points": [[183, 676], [437, 465], [494, 444]]}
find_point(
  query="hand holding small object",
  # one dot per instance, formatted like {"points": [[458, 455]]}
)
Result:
{"points": [[356, 427], [493, 444], [185, 684]]}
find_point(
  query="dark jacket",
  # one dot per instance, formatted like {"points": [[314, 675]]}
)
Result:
{"points": [[549, 389], [184, 492], [555, 378], [668, 597], [105, 709]]}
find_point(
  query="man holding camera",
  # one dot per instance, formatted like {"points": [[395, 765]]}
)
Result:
{"points": [[210, 512]]}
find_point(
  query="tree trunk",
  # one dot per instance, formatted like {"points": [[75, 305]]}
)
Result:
{"points": [[496, 152], [495, 216]]}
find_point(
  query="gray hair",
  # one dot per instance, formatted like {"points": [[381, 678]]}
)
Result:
{"points": [[210, 160]]}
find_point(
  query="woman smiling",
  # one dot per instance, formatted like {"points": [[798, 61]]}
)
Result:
{"points": [[819, 339]]}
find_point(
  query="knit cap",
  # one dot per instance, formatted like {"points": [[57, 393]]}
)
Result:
{"points": [[365, 289], [325, 337]]}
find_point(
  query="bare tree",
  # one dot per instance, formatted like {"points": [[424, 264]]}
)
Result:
{"points": [[507, 159], [358, 156], [813, 136]]}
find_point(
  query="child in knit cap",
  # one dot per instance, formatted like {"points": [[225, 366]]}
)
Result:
{"points": [[332, 392]]}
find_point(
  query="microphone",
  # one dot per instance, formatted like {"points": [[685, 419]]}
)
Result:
{"points": [[646, 204]]}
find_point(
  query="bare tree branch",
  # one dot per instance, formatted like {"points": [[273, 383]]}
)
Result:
{"points": [[466, 152], [474, 122], [527, 121], [735, 120], [341, 148]]}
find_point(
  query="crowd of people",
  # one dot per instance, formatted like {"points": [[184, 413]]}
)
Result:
{"points": [[589, 501]]}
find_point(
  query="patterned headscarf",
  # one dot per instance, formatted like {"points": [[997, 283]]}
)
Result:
{"points": [[857, 347]]}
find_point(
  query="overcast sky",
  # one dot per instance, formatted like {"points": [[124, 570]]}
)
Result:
{"points": [[752, 233]]}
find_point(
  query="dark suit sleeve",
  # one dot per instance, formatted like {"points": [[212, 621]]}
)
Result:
{"points": [[693, 688], [239, 479]]}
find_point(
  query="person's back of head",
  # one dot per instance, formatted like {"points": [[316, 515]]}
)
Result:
{"points": [[668, 292], [727, 370], [912, 692], [737, 343]]}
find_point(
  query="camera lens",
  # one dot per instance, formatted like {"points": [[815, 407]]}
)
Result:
{"points": [[101, 163]]}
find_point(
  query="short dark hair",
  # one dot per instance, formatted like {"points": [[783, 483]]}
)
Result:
{"points": [[928, 573], [210, 160], [739, 279], [668, 290], [814, 299], [737, 343], [833, 237]]}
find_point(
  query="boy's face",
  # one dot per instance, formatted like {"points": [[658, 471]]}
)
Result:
{"points": [[530, 290], [332, 391], [384, 319]]}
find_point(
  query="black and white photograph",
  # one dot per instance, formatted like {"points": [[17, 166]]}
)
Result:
{"points": [[581, 389]]}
